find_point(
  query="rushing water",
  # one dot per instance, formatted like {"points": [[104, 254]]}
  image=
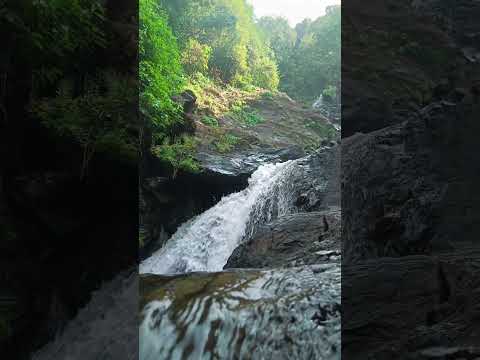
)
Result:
{"points": [[206, 242], [193, 310], [283, 314], [329, 110]]}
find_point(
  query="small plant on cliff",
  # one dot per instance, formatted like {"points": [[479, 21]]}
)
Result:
{"points": [[330, 92], [210, 121], [226, 143], [180, 154], [246, 115]]}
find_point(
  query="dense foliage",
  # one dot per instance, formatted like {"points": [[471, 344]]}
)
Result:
{"points": [[99, 119], [76, 27], [226, 39], [203, 45], [71, 91], [160, 70], [309, 56]]}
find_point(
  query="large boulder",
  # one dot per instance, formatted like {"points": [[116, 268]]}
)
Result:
{"points": [[292, 240], [242, 164], [310, 233], [410, 188], [188, 101], [414, 307]]}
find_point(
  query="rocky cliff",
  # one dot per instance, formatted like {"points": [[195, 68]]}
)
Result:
{"points": [[409, 174]]}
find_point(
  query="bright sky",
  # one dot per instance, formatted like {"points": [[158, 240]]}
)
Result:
{"points": [[294, 10]]}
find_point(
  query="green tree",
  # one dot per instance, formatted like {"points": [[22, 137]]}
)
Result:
{"points": [[309, 55], [239, 54], [195, 57], [160, 70]]}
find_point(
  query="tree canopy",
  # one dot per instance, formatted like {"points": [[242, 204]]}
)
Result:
{"points": [[196, 43], [308, 56]]}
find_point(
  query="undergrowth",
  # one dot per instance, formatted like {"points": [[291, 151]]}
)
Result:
{"points": [[226, 143], [180, 154]]}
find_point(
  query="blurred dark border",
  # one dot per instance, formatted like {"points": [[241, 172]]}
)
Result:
{"points": [[65, 226], [410, 175]]}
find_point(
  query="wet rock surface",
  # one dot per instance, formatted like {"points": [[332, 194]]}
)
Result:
{"points": [[106, 328], [242, 164], [166, 203], [292, 240], [311, 233]]}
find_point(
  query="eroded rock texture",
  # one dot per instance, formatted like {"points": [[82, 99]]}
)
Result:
{"points": [[410, 188], [310, 234]]}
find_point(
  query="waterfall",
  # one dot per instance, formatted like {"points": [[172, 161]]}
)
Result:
{"points": [[330, 110], [318, 103], [290, 313], [206, 242]]}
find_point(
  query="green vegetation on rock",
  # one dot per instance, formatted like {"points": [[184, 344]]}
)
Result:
{"points": [[180, 154], [246, 115], [226, 143], [99, 119], [160, 70], [210, 121], [73, 93], [234, 64]]}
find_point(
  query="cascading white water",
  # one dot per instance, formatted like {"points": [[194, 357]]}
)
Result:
{"points": [[206, 242], [243, 314]]}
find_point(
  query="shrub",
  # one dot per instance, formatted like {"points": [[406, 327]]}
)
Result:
{"points": [[180, 154], [330, 92], [265, 73], [246, 115], [226, 143], [99, 120], [210, 121], [195, 57]]}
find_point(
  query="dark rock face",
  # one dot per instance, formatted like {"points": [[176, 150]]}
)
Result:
{"points": [[188, 101], [243, 164], [410, 254], [429, 51], [292, 240], [425, 305], [60, 230], [366, 115], [407, 188], [458, 17]]}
